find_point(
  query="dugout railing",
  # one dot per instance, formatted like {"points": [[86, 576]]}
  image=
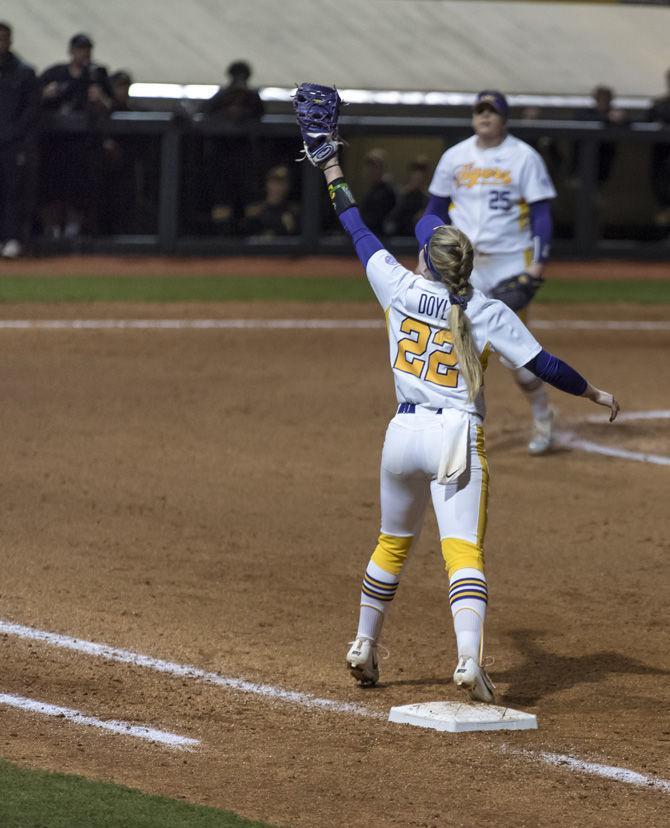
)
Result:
{"points": [[171, 175]]}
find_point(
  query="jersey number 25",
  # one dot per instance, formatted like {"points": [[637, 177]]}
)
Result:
{"points": [[440, 361]]}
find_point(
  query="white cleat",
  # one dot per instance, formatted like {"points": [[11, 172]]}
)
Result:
{"points": [[362, 662], [472, 678], [543, 435]]}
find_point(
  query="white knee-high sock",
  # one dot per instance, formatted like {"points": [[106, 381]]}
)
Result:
{"points": [[535, 391], [468, 598], [379, 588]]}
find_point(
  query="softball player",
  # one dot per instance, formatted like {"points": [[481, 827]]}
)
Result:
{"points": [[440, 330], [496, 189]]}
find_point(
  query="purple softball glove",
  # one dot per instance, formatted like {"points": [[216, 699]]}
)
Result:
{"points": [[317, 109]]}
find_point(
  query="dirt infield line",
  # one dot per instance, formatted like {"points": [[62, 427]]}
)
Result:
{"points": [[149, 734], [298, 324], [610, 772]]}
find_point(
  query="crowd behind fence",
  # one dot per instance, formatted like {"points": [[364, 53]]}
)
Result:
{"points": [[83, 167]]}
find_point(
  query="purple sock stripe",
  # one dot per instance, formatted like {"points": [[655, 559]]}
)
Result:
{"points": [[383, 590], [471, 580], [461, 584], [377, 582], [377, 595], [469, 590], [473, 588], [474, 597]]}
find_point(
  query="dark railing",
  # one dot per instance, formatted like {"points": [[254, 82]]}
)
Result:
{"points": [[583, 234]]}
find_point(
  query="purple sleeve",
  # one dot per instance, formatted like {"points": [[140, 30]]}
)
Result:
{"points": [[365, 241], [439, 206], [541, 228], [553, 370]]}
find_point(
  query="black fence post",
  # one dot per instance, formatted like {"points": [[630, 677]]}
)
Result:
{"points": [[311, 207], [586, 225], [168, 208]]}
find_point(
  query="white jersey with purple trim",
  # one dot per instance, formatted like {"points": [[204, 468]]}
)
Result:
{"points": [[490, 190], [421, 347]]}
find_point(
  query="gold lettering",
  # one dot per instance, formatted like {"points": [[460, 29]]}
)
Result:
{"points": [[468, 175]]}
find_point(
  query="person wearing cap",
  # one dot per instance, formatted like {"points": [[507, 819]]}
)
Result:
{"points": [[440, 330], [70, 161], [79, 85], [19, 105], [496, 189]]}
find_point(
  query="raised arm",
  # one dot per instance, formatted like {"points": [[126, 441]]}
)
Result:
{"points": [[342, 199], [317, 111]]}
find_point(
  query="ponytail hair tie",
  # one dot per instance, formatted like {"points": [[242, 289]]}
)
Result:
{"points": [[458, 300]]}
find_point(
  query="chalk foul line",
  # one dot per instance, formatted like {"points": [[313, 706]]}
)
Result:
{"points": [[183, 670], [149, 734], [300, 324], [629, 416], [570, 440], [611, 772]]}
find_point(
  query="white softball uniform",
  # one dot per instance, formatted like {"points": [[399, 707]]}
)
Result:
{"points": [[436, 437], [490, 191]]}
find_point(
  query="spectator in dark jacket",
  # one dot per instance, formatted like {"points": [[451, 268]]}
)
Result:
{"points": [[412, 199], [608, 115], [237, 102], [380, 198], [70, 161], [660, 158], [229, 158], [19, 103]]}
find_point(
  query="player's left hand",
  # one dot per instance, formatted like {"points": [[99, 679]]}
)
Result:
{"points": [[603, 398]]}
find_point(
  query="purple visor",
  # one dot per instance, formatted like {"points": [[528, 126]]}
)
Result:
{"points": [[425, 227]]}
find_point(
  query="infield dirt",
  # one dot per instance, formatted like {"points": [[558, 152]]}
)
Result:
{"points": [[211, 498]]}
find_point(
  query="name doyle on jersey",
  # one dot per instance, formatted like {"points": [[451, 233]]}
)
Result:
{"points": [[434, 306]]}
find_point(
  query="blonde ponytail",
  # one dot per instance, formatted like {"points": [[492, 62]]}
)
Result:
{"points": [[468, 359], [451, 256]]}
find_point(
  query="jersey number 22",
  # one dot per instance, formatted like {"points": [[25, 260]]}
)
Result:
{"points": [[440, 361]]}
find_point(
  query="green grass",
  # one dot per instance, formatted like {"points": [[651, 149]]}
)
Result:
{"points": [[17, 289], [645, 293], [182, 289], [37, 799]]}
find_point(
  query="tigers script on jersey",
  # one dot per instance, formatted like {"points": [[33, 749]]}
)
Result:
{"points": [[421, 349], [490, 190]]}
